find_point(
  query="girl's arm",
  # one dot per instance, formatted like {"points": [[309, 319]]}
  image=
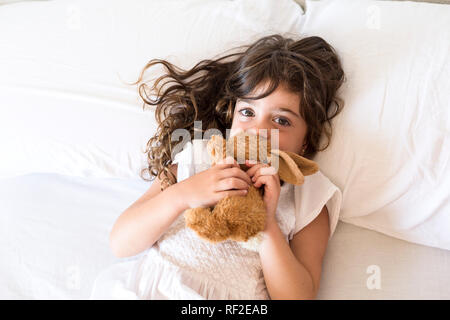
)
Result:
{"points": [[147, 219], [141, 224], [293, 271]]}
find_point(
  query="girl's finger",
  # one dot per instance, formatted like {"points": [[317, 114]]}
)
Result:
{"points": [[227, 162], [229, 193], [235, 172], [266, 180], [250, 172], [231, 183], [250, 162], [264, 171]]}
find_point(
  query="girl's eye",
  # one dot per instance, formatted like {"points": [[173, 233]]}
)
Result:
{"points": [[249, 114], [284, 122]]}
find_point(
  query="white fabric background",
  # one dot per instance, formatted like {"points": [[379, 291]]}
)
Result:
{"points": [[390, 148]]}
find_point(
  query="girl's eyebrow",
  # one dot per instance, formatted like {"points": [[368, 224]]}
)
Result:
{"points": [[290, 111], [250, 101]]}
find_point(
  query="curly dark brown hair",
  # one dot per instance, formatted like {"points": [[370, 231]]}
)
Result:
{"points": [[209, 90]]}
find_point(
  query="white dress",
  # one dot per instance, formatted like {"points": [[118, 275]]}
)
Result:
{"points": [[182, 266]]}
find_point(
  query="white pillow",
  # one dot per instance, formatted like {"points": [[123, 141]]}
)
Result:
{"points": [[64, 107], [390, 153]]}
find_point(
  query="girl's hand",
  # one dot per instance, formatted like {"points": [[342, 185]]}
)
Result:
{"points": [[263, 174], [208, 187]]}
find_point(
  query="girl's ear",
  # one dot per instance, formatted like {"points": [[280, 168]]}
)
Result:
{"points": [[293, 168]]}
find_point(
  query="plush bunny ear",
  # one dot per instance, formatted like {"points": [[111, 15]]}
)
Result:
{"points": [[293, 168], [215, 147], [306, 166]]}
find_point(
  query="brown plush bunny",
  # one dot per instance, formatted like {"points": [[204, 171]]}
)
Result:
{"points": [[242, 218]]}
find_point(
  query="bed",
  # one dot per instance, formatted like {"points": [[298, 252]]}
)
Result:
{"points": [[55, 230], [72, 133]]}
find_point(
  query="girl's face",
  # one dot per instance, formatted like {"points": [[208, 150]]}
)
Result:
{"points": [[279, 110]]}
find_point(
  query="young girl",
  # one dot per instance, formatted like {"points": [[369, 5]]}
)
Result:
{"points": [[276, 83]]}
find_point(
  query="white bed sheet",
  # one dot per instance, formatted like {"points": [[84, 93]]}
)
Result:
{"points": [[54, 233], [54, 241]]}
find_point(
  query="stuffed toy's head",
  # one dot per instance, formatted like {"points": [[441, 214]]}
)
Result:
{"points": [[242, 218]]}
